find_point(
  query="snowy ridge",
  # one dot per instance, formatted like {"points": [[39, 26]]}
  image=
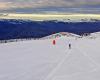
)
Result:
{"points": [[56, 35], [96, 34], [53, 36], [93, 35], [61, 34]]}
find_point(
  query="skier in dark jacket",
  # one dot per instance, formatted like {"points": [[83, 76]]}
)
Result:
{"points": [[69, 45]]}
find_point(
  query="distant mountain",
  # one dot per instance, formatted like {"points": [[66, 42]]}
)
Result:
{"points": [[16, 29]]}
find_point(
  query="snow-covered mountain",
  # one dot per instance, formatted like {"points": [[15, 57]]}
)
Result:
{"points": [[41, 60]]}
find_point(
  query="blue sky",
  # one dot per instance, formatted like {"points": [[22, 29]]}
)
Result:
{"points": [[47, 6]]}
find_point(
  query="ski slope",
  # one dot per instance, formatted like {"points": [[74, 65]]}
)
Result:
{"points": [[40, 60]]}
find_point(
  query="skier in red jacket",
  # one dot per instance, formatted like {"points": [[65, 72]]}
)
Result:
{"points": [[54, 42]]}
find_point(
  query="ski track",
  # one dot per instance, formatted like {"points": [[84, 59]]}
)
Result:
{"points": [[58, 66], [91, 59], [85, 53]]}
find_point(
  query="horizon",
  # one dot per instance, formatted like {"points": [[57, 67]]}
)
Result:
{"points": [[48, 16]]}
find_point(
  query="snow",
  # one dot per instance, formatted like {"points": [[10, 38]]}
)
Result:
{"points": [[60, 34], [40, 60]]}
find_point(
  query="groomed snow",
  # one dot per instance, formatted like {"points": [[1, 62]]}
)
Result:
{"points": [[40, 60]]}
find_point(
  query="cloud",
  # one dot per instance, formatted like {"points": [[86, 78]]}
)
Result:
{"points": [[36, 4], [5, 5], [47, 4]]}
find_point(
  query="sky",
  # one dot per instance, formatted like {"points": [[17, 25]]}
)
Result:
{"points": [[50, 6]]}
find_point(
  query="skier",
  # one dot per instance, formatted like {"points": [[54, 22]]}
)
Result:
{"points": [[69, 45], [54, 42]]}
